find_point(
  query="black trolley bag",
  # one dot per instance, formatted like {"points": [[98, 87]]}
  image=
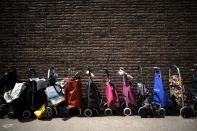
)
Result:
{"points": [[32, 97], [93, 98], [7, 82], [144, 97]]}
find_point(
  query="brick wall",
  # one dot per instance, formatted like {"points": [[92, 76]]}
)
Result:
{"points": [[99, 33]]}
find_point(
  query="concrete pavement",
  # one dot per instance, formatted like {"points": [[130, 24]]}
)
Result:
{"points": [[112, 123]]}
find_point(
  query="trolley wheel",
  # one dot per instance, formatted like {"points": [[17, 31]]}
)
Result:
{"points": [[26, 114], [162, 112], [127, 112], [11, 114], [143, 112], [108, 112], [48, 112], [88, 112], [186, 112]]}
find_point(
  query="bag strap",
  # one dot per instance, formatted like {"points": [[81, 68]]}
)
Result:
{"points": [[59, 93]]}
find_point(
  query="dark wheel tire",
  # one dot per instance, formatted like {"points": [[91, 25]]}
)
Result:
{"points": [[127, 112], [143, 112], [48, 112], [88, 112], [162, 112], [11, 115], [26, 114], [108, 112], [186, 112]]}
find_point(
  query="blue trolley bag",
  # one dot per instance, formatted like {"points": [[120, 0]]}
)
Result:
{"points": [[160, 96]]}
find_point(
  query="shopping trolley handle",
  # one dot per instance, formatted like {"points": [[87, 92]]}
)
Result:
{"points": [[177, 68], [107, 73], [89, 73], [174, 66], [156, 67], [140, 68]]}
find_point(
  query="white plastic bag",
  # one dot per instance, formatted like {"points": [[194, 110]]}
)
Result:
{"points": [[15, 92]]}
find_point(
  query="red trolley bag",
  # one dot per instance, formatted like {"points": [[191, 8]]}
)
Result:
{"points": [[72, 93]]}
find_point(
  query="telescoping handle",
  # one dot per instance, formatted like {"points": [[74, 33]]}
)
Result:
{"points": [[89, 71], [107, 73], [51, 73], [194, 70], [140, 69], [32, 72], [48, 73], [140, 75], [157, 70], [178, 71], [123, 73]]}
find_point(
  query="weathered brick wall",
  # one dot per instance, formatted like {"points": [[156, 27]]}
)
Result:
{"points": [[99, 33]]}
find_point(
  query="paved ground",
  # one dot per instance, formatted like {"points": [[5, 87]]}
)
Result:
{"points": [[112, 123]]}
